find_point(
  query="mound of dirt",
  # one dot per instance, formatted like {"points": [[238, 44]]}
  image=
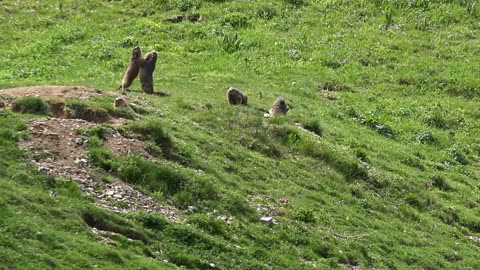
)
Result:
{"points": [[56, 149], [56, 97], [49, 92]]}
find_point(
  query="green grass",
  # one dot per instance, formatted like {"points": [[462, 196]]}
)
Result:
{"points": [[386, 177]]}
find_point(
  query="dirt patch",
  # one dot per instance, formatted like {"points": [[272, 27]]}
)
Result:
{"points": [[49, 92], [120, 145], [56, 149]]}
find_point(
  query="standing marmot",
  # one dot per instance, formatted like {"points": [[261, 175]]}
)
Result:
{"points": [[236, 97], [133, 68], [147, 66], [279, 107]]}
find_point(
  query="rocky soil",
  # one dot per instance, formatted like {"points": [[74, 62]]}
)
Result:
{"points": [[55, 147]]}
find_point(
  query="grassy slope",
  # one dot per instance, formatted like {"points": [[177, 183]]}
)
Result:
{"points": [[418, 78]]}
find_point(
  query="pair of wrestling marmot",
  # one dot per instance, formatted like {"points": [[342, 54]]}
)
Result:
{"points": [[237, 97], [145, 66]]}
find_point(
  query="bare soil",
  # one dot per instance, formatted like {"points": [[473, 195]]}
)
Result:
{"points": [[55, 148]]}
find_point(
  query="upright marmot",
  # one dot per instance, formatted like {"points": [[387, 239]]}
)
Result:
{"points": [[133, 68], [279, 107], [147, 66], [236, 97]]}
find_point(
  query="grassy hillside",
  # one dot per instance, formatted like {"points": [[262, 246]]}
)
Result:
{"points": [[384, 175]]}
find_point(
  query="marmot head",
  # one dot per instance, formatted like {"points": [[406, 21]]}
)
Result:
{"points": [[137, 53], [151, 57]]}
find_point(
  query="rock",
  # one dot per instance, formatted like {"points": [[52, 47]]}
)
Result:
{"points": [[120, 103], [266, 220], [118, 196], [473, 238], [110, 193], [79, 141], [192, 208]]}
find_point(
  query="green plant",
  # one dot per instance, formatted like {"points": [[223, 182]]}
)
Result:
{"points": [[377, 122], [230, 42], [186, 5], [426, 137], [305, 215], [104, 159], [236, 20]]}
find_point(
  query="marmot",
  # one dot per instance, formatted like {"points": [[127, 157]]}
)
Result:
{"points": [[236, 97], [147, 66], [279, 107], [133, 69]]}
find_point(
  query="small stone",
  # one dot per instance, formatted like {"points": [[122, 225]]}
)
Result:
{"points": [[109, 193], [192, 208], [120, 103], [118, 196], [266, 220], [79, 141]]}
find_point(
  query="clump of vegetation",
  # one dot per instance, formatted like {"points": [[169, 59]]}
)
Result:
{"points": [[33, 105], [153, 177], [209, 224], [426, 137], [314, 126], [186, 5], [305, 214], [236, 20], [377, 122]]}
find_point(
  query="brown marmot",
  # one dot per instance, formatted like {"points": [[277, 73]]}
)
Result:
{"points": [[133, 69], [147, 66], [279, 107], [236, 97]]}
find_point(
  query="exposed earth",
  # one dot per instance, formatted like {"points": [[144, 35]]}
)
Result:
{"points": [[55, 147]]}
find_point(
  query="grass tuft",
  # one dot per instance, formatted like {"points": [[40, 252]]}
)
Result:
{"points": [[32, 105]]}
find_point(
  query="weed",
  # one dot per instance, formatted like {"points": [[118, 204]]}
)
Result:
{"points": [[377, 122], [388, 13], [267, 12], [305, 215], [186, 5], [426, 137], [236, 20], [230, 42]]}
